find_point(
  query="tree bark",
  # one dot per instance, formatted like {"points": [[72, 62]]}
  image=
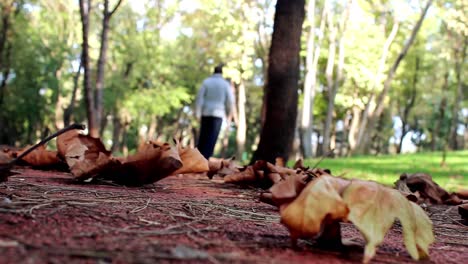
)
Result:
{"points": [[334, 85], [460, 54], [241, 121], [68, 113], [85, 10], [312, 56], [440, 120], [283, 75], [99, 96], [409, 104]]}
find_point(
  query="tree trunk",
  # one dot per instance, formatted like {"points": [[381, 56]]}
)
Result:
{"points": [[116, 132], [440, 120], [68, 113], [380, 101], [58, 102], [353, 129], [307, 117], [283, 75], [460, 54], [241, 121], [334, 85], [99, 96], [409, 104], [93, 128]]}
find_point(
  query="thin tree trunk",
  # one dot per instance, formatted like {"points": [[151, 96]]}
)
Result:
{"points": [[334, 85], [68, 113], [85, 10], [242, 121], [307, 117], [353, 128], [409, 104], [283, 74], [459, 61], [59, 102], [99, 96], [442, 108]]}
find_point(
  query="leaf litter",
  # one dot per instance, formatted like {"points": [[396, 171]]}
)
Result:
{"points": [[312, 203]]}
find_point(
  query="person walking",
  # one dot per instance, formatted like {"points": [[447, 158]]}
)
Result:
{"points": [[214, 102]]}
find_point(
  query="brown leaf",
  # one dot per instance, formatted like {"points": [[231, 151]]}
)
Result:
{"points": [[248, 175], [374, 208], [319, 201], [463, 194], [192, 160], [463, 211], [370, 206], [151, 163], [428, 190], [222, 167], [40, 157], [86, 156]]}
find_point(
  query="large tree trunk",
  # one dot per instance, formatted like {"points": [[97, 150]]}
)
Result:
{"points": [[460, 54], [283, 75], [312, 56], [334, 85], [380, 101], [85, 10]]}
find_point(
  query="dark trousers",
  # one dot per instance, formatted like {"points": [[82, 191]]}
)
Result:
{"points": [[209, 131]]}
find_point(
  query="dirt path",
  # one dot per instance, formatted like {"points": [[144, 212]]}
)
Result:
{"points": [[45, 217]]}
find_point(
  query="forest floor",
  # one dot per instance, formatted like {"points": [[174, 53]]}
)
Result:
{"points": [[46, 217]]}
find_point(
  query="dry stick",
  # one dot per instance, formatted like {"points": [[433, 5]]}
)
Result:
{"points": [[5, 168], [309, 177]]}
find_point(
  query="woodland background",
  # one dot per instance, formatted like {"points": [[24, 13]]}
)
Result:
{"points": [[374, 76]]}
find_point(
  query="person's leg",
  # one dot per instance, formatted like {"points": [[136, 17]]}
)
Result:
{"points": [[209, 131]]}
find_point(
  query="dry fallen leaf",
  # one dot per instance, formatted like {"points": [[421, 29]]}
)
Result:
{"points": [[463, 211], [192, 160], [374, 208], [371, 207], [86, 156], [151, 163], [421, 187], [222, 167], [40, 157]]}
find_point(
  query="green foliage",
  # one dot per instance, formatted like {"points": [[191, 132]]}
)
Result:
{"points": [[160, 51]]}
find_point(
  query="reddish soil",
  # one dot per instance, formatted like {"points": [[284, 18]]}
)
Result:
{"points": [[46, 217]]}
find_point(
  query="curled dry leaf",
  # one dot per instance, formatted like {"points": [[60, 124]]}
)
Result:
{"points": [[423, 189], [370, 206], [222, 167], [192, 160], [374, 208], [151, 163], [86, 156], [262, 174]]}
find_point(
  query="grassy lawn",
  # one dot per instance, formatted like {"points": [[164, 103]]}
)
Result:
{"points": [[386, 169]]}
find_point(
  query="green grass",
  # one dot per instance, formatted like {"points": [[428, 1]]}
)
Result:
{"points": [[386, 169]]}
